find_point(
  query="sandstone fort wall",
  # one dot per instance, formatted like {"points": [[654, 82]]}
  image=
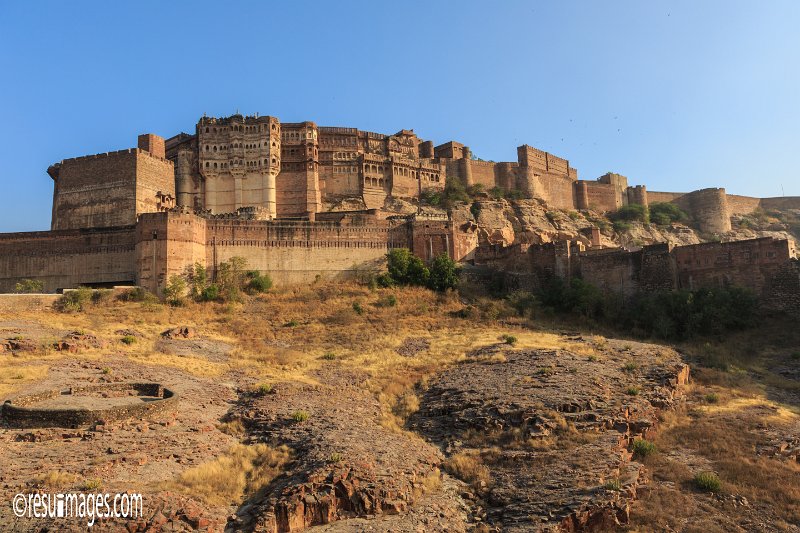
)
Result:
{"points": [[68, 258]]}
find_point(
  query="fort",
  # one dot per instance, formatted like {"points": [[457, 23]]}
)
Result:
{"points": [[273, 193]]}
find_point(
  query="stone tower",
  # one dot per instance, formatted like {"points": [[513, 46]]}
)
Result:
{"points": [[239, 161]]}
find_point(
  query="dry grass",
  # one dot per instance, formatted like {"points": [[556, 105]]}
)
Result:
{"points": [[236, 475], [55, 479], [468, 467]]}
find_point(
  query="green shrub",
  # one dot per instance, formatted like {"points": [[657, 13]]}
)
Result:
{"points": [[175, 290], [300, 416], [106, 370], [643, 448], [329, 356], [620, 226], [613, 484], [29, 286], [405, 268], [665, 213], [391, 300], [128, 339], [210, 293], [138, 294], [630, 213], [335, 457], [74, 300], [358, 308], [258, 283], [292, 324], [263, 389], [509, 339], [707, 481], [712, 397], [632, 391], [443, 274]]}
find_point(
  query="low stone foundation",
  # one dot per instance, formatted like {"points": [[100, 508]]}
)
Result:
{"points": [[22, 411]]}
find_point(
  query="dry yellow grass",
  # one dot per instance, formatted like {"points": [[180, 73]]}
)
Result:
{"points": [[54, 479], [468, 467], [236, 475], [14, 376]]}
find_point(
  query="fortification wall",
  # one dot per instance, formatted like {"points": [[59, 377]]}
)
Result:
{"points": [[68, 258], [557, 191], [744, 205], [612, 271], [95, 191], [708, 208], [154, 175], [601, 196], [665, 197], [751, 263], [483, 172], [301, 252]]}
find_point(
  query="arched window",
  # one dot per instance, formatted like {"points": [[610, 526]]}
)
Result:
{"points": [[207, 164]]}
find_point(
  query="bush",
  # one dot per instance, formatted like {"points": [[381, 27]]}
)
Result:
{"points": [[175, 290], [300, 416], [29, 286], [138, 294], [405, 268], [74, 300], [358, 308], [712, 397], [257, 282], [708, 481], [631, 213], [443, 273], [509, 339], [683, 314], [210, 293], [577, 297], [128, 339], [643, 448], [613, 484], [620, 226], [263, 389], [665, 213]]}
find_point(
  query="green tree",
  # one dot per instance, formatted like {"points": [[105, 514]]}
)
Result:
{"points": [[230, 278], [197, 277], [175, 290], [257, 282], [405, 268], [665, 213], [630, 213], [443, 273]]}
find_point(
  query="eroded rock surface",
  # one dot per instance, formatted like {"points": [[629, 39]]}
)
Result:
{"points": [[347, 464], [553, 427]]}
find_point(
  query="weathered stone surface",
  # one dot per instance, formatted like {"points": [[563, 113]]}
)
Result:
{"points": [[338, 472], [553, 426]]}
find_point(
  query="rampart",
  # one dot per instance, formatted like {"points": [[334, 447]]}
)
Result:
{"points": [[68, 258], [768, 267]]}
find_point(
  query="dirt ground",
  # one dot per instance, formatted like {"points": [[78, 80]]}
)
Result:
{"points": [[299, 409]]}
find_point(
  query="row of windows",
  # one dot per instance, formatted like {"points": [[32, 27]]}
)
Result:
{"points": [[245, 129], [345, 155], [344, 170], [241, 162], [374, 182], [296, 135], [213, 148], [339, 141]]}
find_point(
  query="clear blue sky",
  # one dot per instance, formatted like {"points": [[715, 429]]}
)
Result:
{"points": [[675, 95]]}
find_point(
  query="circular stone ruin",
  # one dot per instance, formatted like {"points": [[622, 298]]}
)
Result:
{"points": [[84, 405]]}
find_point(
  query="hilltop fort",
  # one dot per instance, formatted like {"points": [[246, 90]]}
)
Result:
{"points": [[272, 193]]}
